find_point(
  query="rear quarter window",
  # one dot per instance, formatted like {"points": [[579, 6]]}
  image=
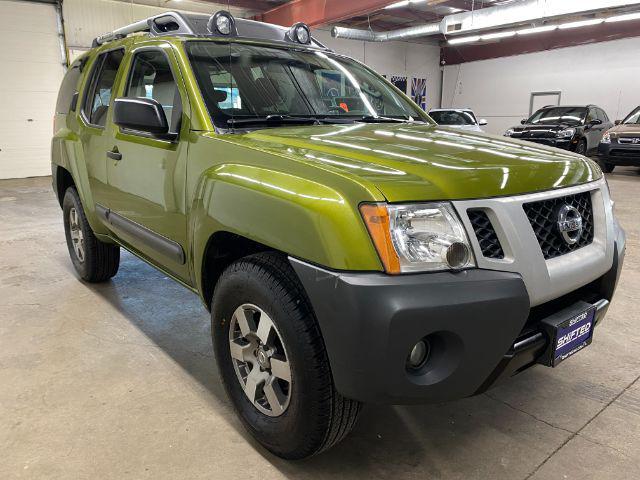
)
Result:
{"points": [[68, 88]]}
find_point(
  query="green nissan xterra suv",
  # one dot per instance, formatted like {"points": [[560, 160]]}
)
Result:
{"points": [[349, 249]]}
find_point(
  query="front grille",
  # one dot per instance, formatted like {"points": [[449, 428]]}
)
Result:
{"points": [[632, 140], [624, 153], [543, 218], [486, 234]]}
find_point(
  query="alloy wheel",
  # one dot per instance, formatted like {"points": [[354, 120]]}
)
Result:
{"points": [[260, 360], [77, 236]]}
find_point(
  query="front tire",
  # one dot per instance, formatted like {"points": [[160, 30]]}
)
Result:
{"points": [[95, 261], [607, 167], [581, 147], [287, 400]]}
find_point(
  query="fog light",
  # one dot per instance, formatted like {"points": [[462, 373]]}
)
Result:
{"points": [[419, 355], [223, 24], [302, 34], [457, 255]]}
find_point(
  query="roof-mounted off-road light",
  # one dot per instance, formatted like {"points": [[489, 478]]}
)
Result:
{"points": [[300, 33], [222, 22]]}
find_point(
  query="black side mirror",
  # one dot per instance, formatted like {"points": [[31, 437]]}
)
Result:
{"points": [[523, 121], [617, 122], [142, 115], [595, 121]]}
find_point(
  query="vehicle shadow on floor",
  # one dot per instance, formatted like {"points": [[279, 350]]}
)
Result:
{"points": [[175, 320], [386, 439]]}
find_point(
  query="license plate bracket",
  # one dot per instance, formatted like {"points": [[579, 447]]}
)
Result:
{"points": [[569, 331]]}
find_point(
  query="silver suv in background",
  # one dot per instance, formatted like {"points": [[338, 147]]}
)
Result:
{"points": [[462, 118]]}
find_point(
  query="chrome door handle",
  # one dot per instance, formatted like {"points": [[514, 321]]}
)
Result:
{"points": [[114, 154]]}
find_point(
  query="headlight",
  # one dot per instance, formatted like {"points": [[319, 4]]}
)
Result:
{"points": [[419, 237], [606, 138], [509, 132], [566, 133]]}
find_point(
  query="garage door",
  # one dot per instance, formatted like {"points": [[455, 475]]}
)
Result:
{"points": [[31, 71]]}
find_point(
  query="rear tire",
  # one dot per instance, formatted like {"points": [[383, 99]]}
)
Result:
{"points": [[95, 261], [312, 416]]}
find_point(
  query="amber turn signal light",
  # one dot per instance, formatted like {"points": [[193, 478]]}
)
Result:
{"points": [[376, 218]]}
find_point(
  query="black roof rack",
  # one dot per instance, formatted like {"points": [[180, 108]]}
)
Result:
{"points": [[197, 25]]}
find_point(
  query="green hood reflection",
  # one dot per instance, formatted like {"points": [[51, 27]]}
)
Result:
{"points": [[409, 162]]}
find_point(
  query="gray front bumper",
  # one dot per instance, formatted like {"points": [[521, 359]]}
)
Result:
{"points": [[480, 324]]}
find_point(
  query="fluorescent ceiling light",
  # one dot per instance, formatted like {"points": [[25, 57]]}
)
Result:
{"points": [[623, 18], [404, 3], [545, 28], [582, 23], [397, 4], [492, 36], [457, 41]]}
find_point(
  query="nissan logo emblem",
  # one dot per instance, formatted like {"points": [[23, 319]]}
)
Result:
{"points": [[569, 224]]}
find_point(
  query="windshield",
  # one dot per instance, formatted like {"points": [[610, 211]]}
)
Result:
{"points": [[243, 83], [559, 115], [633, 118], [453, 117]]}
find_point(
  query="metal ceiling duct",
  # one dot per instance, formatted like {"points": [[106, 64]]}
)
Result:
{"points": [[525, 12], [371, 36]]}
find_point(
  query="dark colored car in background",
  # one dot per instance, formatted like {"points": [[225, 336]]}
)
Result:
{"points": [[575, 128], [621, 144]]}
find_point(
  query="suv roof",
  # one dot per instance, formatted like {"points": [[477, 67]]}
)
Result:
{"points": [[195, 25], [586, 105]]}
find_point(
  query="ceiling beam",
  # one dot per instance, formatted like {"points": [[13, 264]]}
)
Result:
{"points": [[260, 5], [319, 12], [411, 14]]}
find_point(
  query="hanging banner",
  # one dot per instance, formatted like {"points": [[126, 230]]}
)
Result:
{"points": [[400, 83], [419, 92]]}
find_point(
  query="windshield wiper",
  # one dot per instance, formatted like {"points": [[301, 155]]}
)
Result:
{"points": [[286, 119], [272, 119], [372, 119]]}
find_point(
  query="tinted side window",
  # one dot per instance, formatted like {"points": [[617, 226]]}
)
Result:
{"points": [[98, 95], [151, 77], [68, 88], [591, 115], [603, 116]]}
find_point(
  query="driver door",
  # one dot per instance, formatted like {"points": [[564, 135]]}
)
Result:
{"points": [[593, 132], [146, 175]]}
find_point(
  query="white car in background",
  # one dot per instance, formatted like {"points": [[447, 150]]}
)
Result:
{"points": [[462, 118]]}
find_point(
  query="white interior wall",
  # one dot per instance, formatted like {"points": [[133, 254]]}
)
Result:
{"points": [[605, 74], [413, 60]]}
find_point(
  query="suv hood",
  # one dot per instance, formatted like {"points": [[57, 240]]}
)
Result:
{"points": [[411, 162], [626, 130], [540, 130]]}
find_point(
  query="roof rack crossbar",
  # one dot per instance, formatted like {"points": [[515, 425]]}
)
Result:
{"points": [[163, 23], [197, 25]]}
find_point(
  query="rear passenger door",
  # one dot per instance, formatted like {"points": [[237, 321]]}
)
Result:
{"points": [[147, 175], [93, 113]]}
